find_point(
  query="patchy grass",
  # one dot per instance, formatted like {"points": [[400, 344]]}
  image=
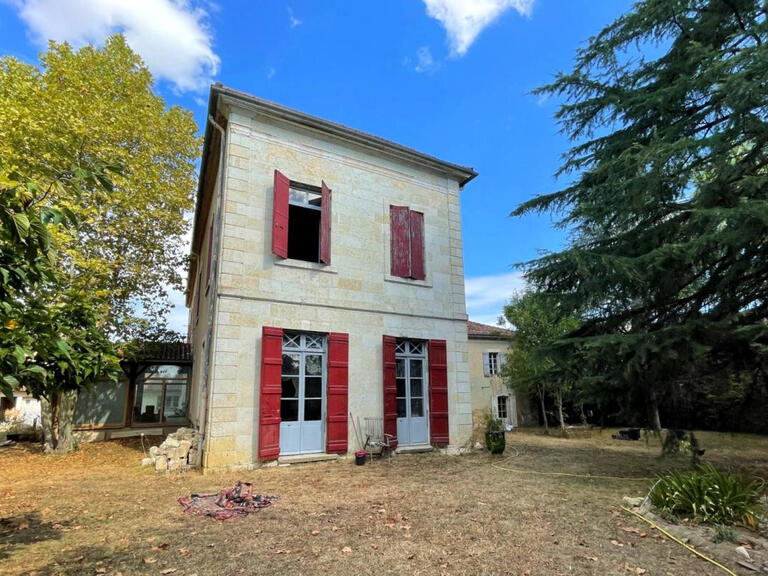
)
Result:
{"points": [[97, 511]]}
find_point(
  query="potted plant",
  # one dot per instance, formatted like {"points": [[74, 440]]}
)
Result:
{"points": [[495, 439]]}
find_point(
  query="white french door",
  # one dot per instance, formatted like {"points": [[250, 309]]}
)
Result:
{"points": [[302, 401], [411, 380]]}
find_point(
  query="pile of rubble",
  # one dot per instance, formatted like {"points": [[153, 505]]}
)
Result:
{"points": [[178, 452]]}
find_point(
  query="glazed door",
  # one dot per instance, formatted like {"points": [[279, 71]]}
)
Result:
{"points": [[410, 377]]}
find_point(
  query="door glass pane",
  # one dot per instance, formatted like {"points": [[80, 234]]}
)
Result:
{"points": [[401, 408], [400, 387], [313, 387], [400, 368], [313, 365], [290, 387], [416, 388], [289, 410], [417, 407], [416, 368], [146, 407], [175, 403], [312, 409], [290, 364]]}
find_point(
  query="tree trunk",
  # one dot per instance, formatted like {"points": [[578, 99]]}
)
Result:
{"points": [[583, 415], [560, 410], [540, 391], [58, 415], [654, 408]]}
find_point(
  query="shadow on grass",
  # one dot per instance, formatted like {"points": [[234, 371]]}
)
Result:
{"points": [[26, 529]]}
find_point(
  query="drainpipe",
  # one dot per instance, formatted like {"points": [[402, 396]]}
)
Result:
{"points": [[213, 295]]}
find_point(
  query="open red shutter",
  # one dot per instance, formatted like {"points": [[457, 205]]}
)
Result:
{"points": [[438, 393], [399, 223], [280, 215], [325, 226], [417, 245], [269, 395], [390, 388], [338, 378]]}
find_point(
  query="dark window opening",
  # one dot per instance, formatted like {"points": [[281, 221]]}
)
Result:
{"points": [[303, 233]]}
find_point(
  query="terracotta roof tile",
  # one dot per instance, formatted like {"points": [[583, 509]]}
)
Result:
{"points": [[477, 330]]}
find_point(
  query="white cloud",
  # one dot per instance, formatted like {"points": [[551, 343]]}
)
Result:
{"points": [[486, 295], [465, 19], [172, 36], [424, 60], [294, 21]]}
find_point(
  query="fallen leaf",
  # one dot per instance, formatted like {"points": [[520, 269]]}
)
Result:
{"points": [[183, 551], [101, 570], [282, 551], [163, 546], [150, 560], [335, 529], [168, 571], [593, 558], [315, 532], [617, 543], [346, 550]]}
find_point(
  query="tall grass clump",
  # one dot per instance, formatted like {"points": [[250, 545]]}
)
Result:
{"points": [[711, 496]]}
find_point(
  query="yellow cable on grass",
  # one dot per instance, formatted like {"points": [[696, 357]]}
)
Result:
{"points": [[675, 539]]}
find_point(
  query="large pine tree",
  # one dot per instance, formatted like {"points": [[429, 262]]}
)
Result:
{"points": [[667, 109]]}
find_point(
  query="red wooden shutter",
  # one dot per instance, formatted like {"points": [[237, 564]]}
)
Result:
{"points": [[399, 229], [438, 393], [338, 378], [270, 392], [210, 252], [390, 388], [280, 215], [325, 227], [417, 245]]}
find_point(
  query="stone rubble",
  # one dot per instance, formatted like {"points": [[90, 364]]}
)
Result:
{"points": [[178, 452]]}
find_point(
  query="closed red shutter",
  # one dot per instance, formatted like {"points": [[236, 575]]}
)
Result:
{"points": [[390, 388], [280, 215], [325, 226], [438, 393], [417, 245], [399, 228], [210, 252], [270, 392], [338, 378]]}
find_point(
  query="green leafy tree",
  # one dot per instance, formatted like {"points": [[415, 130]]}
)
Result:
{"points": [[84, 142], [667, 208], [533, 364]]}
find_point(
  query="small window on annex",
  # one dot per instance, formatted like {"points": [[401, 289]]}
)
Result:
{"points": [[162, 395], [102, 404]]}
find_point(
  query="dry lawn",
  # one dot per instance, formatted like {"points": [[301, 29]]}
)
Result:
{"points": [[98, 512]]}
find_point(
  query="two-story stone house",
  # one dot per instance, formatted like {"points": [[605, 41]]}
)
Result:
{"points": [[326, 283]]}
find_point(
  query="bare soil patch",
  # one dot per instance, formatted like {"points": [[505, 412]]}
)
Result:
{"points": [[98, 512]]}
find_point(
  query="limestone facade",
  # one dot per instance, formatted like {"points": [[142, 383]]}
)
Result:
{"points": [[355, 294]]}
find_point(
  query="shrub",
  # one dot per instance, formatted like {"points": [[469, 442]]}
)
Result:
{"points": [[709, 495]]}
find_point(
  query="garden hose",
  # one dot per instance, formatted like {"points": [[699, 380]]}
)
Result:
{"points": [[675, 539]]}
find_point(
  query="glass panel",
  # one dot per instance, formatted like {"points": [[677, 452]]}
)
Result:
{"points": [[290, 364], [289, 410], [148, 402], [502, 406], [314, 199], [290, 341], [313, 365], [417, 407], [176, 398], [416, 388], [158, 371], [401, 408], [416, 368], [103, 403], [400, 368], [290, 387], [312, 409], [400, 387], [297, 196], [400, 347], [315, 342], [417, 347], [313, 387]]}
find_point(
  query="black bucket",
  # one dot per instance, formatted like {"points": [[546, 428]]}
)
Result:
{"points": [[360, 457]]}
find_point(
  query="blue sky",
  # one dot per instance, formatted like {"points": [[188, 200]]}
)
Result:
{"points": [[451, 78]]}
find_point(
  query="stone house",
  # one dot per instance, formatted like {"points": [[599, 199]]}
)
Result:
{"points": [[487, 347], [326, 283]]}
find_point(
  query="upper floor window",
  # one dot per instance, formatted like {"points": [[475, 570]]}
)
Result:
{"points": [[301, 221], [406, 242], [492, 363]]}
